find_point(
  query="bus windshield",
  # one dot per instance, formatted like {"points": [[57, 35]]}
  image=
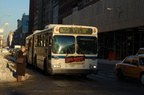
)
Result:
{"points": [[63, 44], [66, 45], [86, 45]]}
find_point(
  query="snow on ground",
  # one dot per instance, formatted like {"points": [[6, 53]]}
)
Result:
{"points": [[8, 69]]}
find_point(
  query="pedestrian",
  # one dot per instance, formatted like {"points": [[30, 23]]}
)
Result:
{"points": [[20, 61]]}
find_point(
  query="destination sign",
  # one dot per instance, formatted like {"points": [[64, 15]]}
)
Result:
{"points": [[70, 30]]}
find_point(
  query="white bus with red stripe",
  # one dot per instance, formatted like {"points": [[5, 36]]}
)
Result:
{"points": [[64, 49]]}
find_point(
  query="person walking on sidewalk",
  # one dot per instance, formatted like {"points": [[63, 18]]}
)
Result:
{"points": [[20, 60]]}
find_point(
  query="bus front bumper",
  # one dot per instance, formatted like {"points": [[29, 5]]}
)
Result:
{"points": [[75, 71]]}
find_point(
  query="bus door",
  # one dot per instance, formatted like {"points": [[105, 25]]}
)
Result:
{"points": [[48, 43], [30, 50], [40, 51]]}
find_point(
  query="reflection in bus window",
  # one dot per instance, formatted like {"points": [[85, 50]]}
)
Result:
{"points": [[86, 45], [63, 45], [44, 40]]}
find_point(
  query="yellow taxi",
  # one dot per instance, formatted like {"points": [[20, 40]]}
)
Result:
{"points": [[131, 66]]}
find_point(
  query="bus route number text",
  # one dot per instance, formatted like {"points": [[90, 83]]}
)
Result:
{"points": [[75, 30]]}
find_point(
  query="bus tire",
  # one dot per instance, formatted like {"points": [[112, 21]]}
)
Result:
{"points": [[46, 70]]}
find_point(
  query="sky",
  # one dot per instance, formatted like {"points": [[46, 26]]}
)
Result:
{"points": [[14, 8]]}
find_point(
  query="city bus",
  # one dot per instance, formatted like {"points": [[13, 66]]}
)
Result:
{"points": [[64, 49]]}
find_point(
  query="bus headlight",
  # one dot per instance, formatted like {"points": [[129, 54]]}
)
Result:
{"points": [[93, 66], [56, 66]]}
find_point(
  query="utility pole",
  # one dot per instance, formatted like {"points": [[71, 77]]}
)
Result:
{"points": [[1, 32]]}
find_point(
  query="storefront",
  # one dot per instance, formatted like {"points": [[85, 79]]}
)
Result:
{"points": [[121, 43]]}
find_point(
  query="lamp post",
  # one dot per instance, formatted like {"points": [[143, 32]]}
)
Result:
{"points": [[6, 24], [1, 31], [3, 17], [1, 38], [117, 10]]}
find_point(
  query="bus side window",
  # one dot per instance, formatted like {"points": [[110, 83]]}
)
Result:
{"points": [[44, 40], [49, 47], [41, 41], [29, 44], [36, 41], [50, 40]]}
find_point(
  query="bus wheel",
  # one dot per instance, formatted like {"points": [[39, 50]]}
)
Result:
{"points": [[46, 71]]}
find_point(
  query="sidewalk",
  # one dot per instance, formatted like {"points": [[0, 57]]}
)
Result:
{"points": [[8, 69], [6, 73]]}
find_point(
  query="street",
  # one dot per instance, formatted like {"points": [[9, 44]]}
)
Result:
{"points": [[73, 47], [105, 83]]}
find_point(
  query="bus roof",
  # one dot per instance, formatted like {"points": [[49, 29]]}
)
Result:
{"points": [[29, 36], [36, 31], [61, 25], [52, 26]]}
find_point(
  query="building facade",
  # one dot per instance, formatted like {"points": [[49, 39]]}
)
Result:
{"points": [[68, 7], [9, 39], [44, 12], [120, 24], [40, 14], [21, 32]]}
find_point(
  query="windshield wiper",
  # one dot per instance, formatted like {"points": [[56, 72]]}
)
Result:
{"points": [[68, 50], [80, 50]]}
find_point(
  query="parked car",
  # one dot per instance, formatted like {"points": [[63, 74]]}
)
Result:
{"points": [[10, 50], [15, 52], [5, 50], [132, 67]]}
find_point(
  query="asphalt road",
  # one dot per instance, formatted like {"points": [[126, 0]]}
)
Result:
{"points": [[105, 83]]}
